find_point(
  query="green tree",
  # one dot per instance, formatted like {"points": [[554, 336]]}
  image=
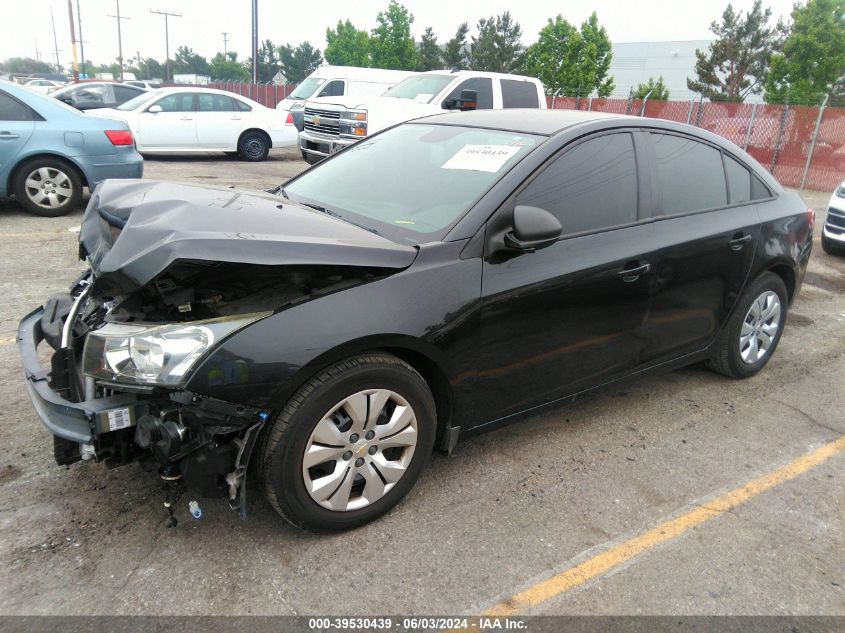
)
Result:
{"points": [[153, 69], [454, 54], [498, 47], [813, 57], [190, 62], [658, 90], [25, 66], [429, 56], [299, 62], [228, 68], [347, 45], [391, 44], [570, 61], [736, 64]]}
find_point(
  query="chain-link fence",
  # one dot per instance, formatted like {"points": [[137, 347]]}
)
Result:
{"points": [[802, 146]]}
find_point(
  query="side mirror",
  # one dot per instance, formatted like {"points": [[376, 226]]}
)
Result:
{"points": [[533, 228], [468, 101], [154, 109]]}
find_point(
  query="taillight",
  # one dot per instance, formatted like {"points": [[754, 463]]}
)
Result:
{"points": [[289, 120], [811, 216], [120, 137]]}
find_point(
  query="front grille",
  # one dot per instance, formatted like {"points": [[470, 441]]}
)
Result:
{"points": [[324, 122], [835, 218]]}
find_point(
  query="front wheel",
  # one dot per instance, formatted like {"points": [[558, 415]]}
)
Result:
{"points": [[751, 335], [349, 444], [253, 146]]}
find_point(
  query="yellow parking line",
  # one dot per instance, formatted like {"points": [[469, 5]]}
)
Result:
{"points": [[618, 554]]}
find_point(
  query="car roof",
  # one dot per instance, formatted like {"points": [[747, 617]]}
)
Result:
{"points": [[524, 120], [481, 73]]}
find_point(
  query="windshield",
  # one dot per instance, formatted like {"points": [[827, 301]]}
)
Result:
{"points": [[137, 102], [306, 88], [413, 182], [421, 88]]}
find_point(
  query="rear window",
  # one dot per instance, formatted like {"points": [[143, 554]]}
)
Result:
{"points": [[690, 175], [739, 181], [519, 94]]}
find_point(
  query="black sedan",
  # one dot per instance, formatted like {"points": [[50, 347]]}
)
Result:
{"points": [[92, 95], [442, 277]]}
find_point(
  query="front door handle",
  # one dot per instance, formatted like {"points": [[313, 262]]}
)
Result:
{"points": [[737, 243], [236, 118], [629, 275], [8, 135], [186, 118]]}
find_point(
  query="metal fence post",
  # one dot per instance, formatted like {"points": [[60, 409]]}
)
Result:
{"points": [[813, 143], [782, 128], [630, 105], [689, 112], [590, 104], [700, 114], [645, 101], [750, 127]]}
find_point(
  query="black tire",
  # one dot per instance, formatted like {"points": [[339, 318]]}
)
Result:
{"points": [[253, 146], [58, 175], [832, 247], [284, 444], [727, 358]]}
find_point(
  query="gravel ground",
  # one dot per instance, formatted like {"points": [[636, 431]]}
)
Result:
{"points": [[507, 509]]}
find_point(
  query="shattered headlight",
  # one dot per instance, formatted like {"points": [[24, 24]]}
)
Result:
{"points": [[154, 354]]}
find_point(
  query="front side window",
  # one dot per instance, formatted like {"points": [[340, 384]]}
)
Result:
{"points": [[590, 187], [332, 89], [13, 110], [421, 88], [690, 176], [483, 86], [519, 94], [177, 102], [412, 183]]}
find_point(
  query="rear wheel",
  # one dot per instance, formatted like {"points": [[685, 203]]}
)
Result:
{"points": [[751, 335], [253, 146], [48, 187], [349, 444]]}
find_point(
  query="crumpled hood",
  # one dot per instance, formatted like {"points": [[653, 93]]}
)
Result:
{"points": [[132, 230]]}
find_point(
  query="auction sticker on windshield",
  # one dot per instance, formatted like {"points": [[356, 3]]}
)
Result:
{"points": [[481, 157]]}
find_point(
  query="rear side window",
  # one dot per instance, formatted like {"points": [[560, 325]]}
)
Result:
{"points": [[243, 107], [483, 86], [519, 94], [690, 175], [13, 110], [592, 186], [125, 93], [332, 89], [215, 103], [739, 181], [759, 191]]}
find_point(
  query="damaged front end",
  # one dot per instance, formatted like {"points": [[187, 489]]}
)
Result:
{"points": [[170, 279]]}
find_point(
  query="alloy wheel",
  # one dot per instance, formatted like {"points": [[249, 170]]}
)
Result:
{"points": [[359, 450], [759, 327], [48, 187]]}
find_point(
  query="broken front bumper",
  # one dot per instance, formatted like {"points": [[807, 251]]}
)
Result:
{"points": [[78, 422]]}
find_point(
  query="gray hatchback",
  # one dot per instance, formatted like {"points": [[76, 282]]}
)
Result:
{"points": [[50, 151]]}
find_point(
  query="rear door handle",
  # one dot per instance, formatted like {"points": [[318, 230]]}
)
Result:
{"points": [[629, 275], [8, 135], [236, 118], [186, 118], [738, 243]]}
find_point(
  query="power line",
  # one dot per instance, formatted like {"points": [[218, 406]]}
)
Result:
{"points": [[166, 15], [119, 38]]}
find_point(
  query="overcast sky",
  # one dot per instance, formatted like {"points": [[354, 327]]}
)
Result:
{"points": [[203, 22]]}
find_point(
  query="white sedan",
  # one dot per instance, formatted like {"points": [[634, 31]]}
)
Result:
{"points": [[201, 120], [44, 85]]}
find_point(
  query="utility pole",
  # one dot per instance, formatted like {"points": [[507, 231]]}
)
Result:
{"points": [[37, 52], [167, 40], [81, 42], [73, 41], [255, 41], [225, 42], [55, 42], [119, 38]]}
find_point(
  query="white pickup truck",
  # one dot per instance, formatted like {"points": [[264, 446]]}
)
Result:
{"points": [[332, 123]]}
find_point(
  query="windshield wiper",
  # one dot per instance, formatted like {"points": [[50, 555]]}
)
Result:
{"points": [[334, 214]]}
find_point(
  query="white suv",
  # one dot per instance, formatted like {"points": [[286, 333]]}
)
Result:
{"points": [[833, 231], [332, 123]]}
